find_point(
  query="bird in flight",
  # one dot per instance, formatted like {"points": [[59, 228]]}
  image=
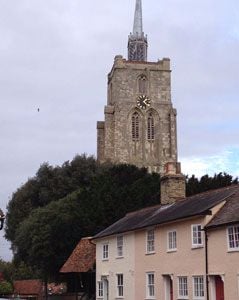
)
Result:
{"points": [[38, 109]]}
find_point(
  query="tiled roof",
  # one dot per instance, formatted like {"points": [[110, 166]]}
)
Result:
{"points": [[229, 213], [28, 287], [82, 258], [36, 287], [196, 205]]}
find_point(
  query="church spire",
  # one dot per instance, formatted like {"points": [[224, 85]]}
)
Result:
{"points": [[137, 43], [138, 19]]}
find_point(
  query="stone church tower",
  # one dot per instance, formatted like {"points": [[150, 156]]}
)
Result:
{"points": [[140, 121]]}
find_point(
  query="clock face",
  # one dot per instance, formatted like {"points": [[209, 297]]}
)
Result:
{"points": [[143, 101]]}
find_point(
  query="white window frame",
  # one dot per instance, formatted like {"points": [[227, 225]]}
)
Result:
{"points": [[105, 251], [172, 240], [197, 235], [120, 245], [233, 244], [100, 289], [150, 285], [198, 287], [120, 285], [150, 241], [182, 287]]}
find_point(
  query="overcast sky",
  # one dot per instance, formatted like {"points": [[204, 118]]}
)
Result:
{"points": [[55, 56]]}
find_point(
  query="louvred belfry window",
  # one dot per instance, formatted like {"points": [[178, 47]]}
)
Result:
{"points": [[150, 127], [142, 85], [135, 126]]}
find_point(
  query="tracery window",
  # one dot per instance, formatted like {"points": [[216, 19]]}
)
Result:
{"points": [[142, 85], [135, 126], [150, 126]]}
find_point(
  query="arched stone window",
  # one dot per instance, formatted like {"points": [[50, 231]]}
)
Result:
{"points": [[135, 126], [142, 82], [150, 127]]}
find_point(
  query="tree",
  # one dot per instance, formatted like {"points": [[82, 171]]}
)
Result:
{"points": [[46, 238], [206, 183], [5, 288], [16, 271], [49, 184]]}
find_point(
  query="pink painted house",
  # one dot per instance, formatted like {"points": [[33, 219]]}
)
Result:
{"points": [[186, 248]]}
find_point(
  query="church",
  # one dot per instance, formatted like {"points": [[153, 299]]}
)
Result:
{"points": [[184, 247], [140, 120]]}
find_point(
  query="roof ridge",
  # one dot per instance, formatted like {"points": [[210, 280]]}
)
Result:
{"points": [[232, 186]]}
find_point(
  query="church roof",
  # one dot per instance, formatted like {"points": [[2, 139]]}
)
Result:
{"points": [[193, 206]]}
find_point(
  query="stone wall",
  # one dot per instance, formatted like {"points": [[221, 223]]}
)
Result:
{"points": [[116, 144]]}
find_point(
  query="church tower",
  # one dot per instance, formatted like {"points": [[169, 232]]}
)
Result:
{"points": [[140, 121]]}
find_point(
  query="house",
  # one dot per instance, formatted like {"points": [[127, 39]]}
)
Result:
{"points": [[34, 289], [183, 248], [79, 269], [29, 289]]}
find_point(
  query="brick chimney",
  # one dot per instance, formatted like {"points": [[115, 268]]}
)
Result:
{"points": [[173, 186]]}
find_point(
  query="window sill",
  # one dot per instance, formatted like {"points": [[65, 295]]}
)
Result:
{"points": [[105, 259], [150, 253], [233, 250], [193, 248], [119, 257], [172, 250]]}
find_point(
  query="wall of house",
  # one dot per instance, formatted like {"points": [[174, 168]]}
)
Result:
{"points": [[186, 261], [114, 265], [224, 262]]}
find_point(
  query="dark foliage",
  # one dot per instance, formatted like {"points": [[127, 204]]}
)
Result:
{"points": [[49, 184], [45, 230], [206, 183]]}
